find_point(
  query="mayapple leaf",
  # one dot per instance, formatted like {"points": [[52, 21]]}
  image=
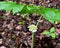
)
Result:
{"points": [[51, 14], [52, 30], [6, 6], [53, 35], [24, 10], [32, 9], [3, 5], [9, 8], [46, 32], [17, 8]]}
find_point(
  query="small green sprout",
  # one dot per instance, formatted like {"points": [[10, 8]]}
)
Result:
{"points": [[51, 32], [32, 28], [21, 23], [24, 15]]}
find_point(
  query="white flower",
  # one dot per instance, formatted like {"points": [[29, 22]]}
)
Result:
{"points": [[32, 28]]}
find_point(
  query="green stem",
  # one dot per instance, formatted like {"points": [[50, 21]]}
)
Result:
{"points": [[32, 45], [38, 20], [29, 20]]}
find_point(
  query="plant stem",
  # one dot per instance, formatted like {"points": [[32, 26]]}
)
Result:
{"points": [[29, 19], [38, 20], [32, 45]]}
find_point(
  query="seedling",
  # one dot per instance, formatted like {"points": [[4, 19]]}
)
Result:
{"points": [[33, 28], [21, 22], [24, 15], [50, 32]]}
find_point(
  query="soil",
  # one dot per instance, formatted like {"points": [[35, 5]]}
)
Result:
{"points": [[14, 35]]}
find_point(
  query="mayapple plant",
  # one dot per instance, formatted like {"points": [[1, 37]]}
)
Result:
{"points": [[50, 14]]}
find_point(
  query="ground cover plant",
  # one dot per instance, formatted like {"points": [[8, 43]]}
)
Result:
{"points": [[51, 15]]}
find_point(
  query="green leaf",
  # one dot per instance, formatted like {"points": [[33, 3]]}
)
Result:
{"points": [[3, 5], [53, 35], [24, 15], [32, 9], [17, 8], [21, 23], [24, 10], [10, 7], [51, 14], [52, 30], [46, 32]]}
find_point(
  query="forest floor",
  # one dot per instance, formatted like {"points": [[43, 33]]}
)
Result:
{"points": [[14, 35]]}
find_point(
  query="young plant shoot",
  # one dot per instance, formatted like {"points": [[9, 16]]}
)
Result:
{"points": [[50, 32], [32, 28]]}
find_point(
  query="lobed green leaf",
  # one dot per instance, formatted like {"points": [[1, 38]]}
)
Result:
{"points": [[53, 35], [46, 32], [51, 14], [24, 9], [52, 30]]}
